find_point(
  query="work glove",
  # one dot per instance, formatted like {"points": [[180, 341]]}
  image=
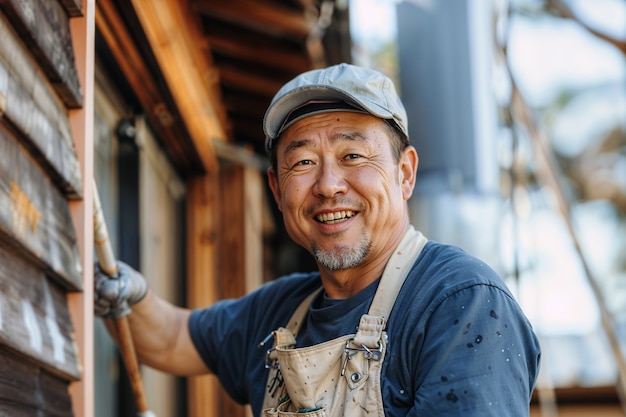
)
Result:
{"points": [[113, 295]]}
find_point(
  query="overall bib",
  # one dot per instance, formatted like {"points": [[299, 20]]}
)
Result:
{"points": [[340, 377]]}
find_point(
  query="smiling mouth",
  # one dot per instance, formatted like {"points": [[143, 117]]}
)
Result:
{"points": [[336, 217]]}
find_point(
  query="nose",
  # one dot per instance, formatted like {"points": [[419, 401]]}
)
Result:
{"points": [[330, 180]]}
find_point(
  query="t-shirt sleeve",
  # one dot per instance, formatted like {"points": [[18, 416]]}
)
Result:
{"points": [[479, 356], [209, 328], [227, 334]]}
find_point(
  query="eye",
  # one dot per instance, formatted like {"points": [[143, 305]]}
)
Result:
{"points": [[303, 162], [351, 156]]}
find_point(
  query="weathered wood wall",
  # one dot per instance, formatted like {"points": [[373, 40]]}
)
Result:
{"points": [[21, 394], [43, 26], [39, 176], [35, 320], [29, 105]]}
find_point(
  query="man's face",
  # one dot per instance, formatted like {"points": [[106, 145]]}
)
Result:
{"points": [[341, 191]]}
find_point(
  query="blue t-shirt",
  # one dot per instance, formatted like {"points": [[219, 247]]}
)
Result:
{"points": [[458, 344]]}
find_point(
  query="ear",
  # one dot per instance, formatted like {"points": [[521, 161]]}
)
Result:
{"points": [[407, 168], [272, 178]]}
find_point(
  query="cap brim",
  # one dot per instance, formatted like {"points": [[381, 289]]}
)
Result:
{"points": [[278, 110]]}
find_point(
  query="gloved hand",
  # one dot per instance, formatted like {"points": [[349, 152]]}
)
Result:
{"points": [[113, 296]]}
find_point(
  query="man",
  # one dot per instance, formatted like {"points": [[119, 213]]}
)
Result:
{"points": [[391, 324]]}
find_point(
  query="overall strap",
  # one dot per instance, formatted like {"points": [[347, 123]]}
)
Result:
{"points": [[312, 385], [373, 323], [301, 312], [393, 277], [396, 272]]}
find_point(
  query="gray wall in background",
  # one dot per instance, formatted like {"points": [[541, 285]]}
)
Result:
{"points": [[445, 59], [436, 87]]}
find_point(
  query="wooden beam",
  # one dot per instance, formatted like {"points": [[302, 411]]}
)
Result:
{"points": [[82, 127], [232, 257], [252, 83], [250, 131], [231, 232], [202, 276], [192, 81], [240, 156], [161, 113], [247, 105], [74, 8], [259, 54], [244, 104], [264, 17]]}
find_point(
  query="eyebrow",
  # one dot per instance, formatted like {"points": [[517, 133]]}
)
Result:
{"points": [[349, 136], [297, 144]]}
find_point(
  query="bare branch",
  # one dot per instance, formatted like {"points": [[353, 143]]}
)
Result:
{"points": [[562, 10]]}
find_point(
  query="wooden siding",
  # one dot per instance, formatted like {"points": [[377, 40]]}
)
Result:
{"points": [[26, 390], [40, 178], [35, 217], [30, 107], [43, 26], [35, 321]]}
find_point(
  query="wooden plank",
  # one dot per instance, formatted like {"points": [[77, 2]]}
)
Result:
{"points": [[44, 27], [264, 17], [26, 390], [248, 132], [190, 78], [241, 156], [30, 107], [259, 51], [202, 276], [55, 396], [18, 381], [74, 8], [34, 216], [231, 256], [249, 81], [232, 232], [35, 321], [48, 145], [82, 122]]}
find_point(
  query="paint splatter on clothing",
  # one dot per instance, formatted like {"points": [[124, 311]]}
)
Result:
{"points": [[459, 343]]}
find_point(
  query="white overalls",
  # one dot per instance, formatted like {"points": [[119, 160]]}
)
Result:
{"points": [[341, 377]]}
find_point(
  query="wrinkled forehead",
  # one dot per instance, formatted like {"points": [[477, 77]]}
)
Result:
{"points": [[332, 128]]}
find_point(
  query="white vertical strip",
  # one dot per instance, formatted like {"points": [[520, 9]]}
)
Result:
{"points": [[30, 322], [480, 34]]}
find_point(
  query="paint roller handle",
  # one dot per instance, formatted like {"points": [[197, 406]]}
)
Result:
{"points": [[112, 280], [117, 286], [127, 349]]}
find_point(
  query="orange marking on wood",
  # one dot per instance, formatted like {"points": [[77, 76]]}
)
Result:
{"points": [[25, 214]]}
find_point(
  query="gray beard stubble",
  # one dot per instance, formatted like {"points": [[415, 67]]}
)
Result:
{"points": [[342, 258]]}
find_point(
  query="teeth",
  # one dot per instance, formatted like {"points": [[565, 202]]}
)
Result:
{"points": [[335, 217]]}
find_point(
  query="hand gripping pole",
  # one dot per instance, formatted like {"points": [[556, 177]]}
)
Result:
{"points": [[106, 260]]}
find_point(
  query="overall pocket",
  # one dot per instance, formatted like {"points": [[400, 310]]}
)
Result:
{"points": [[280, 411]]}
